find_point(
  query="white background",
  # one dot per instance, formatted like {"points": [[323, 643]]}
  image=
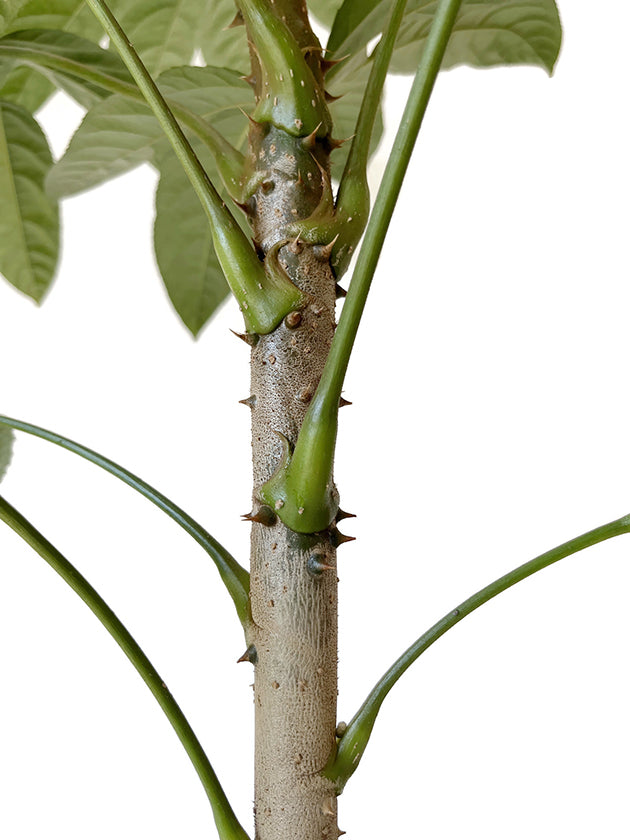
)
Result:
{"points": [[490, 423]]}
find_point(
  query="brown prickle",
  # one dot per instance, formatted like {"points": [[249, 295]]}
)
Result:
{"points": [[323, 252], [316, 564], [343, 402], [327, 64], [342, 514], [264, 515], [249, 401], [330, 98], [251, 81], [310, 141], [337, 538], [293, 319], [249, 338], [250, 655], [238, 21], [340, 292], [296, 246]]}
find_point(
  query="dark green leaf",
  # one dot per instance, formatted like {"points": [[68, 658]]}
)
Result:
{"points": [[119, 133], [487, 32], [29, 219], [219, 46], [183, 248], [6, 449]]}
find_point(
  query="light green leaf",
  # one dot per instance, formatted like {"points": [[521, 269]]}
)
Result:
{"points": [[163, 32], [29, 219], [6, 449], [183, 247], [24, 87], [119, 133], [486, 33], [220, 46], [324, 10], [350, 87]]}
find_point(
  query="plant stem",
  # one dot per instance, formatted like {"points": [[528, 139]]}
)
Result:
{"points": [[228, 826], [233, 575], [352, 745]]}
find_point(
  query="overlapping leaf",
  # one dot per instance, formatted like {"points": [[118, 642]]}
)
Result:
{"points": [[487, 32], [29, 218], [119, 133]]}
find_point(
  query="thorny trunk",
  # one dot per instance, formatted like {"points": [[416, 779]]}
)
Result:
{"points": [[293, 594]]}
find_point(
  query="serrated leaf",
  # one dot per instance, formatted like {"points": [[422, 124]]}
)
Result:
{"points": [[6, 449], [119, 134], [29, 218], [486, 32], [183, 248]]}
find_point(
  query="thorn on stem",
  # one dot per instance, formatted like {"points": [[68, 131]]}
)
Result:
{"points": [[343, 402], [340, 292], [342, 514], [317, 565], [337, 538], [263, 515], [250, 401], [250, 655], [249, 338]]}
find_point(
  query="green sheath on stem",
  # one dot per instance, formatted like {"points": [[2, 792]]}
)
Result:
{"points": [[290, 98], [264, 293], [355, 738], [228, 826]]}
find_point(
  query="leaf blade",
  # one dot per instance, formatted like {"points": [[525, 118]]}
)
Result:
{"points": [[487, 33], [29, 218]]}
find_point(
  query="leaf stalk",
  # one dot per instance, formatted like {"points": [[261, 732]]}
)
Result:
{"points": [[227, 824]]}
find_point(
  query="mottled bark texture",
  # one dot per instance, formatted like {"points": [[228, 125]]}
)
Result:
{"points": [[293, 594]]}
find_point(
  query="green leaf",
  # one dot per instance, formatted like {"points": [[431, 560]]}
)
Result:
{"points": [[163, 32], [26, 88], [486, 33], [119, 133], [350, 87], [6, 450], [85, 70], [184, 251], [324, 10], [220, 46], [29, 218]]}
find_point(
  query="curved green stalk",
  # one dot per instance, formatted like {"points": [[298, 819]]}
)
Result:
{"points": [[353, 197], [233, 575], [313, 456], [37, 54], [228, 826], [264, 295], [354, 740]]}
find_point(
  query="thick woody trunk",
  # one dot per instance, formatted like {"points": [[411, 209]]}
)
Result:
{"points": [[293, 594]]}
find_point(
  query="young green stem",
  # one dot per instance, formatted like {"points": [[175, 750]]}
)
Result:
{"points": [[228, 826], [304, 480], [265, 297], [233, 575], [354, 741]]}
